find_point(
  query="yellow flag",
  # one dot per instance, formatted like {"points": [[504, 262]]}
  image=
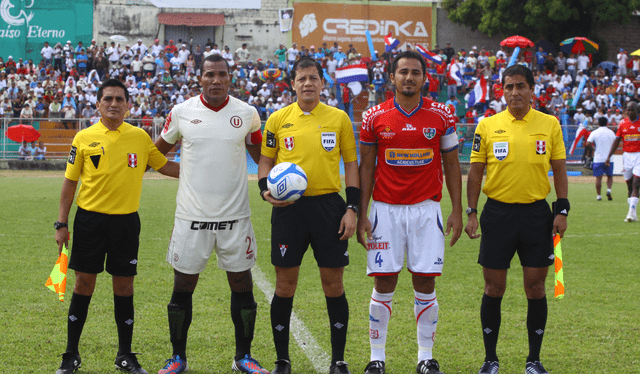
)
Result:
{"points": [[557, 250], [57, 281]]}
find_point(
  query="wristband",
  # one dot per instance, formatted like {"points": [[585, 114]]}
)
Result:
{"points": [[262, 184], [353, 196], [563, 207]]}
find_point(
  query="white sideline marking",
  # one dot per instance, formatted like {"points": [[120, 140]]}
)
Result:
{"points": [[319, 358]]}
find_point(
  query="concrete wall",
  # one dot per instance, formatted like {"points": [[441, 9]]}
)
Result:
{"points": [[462, 36]]}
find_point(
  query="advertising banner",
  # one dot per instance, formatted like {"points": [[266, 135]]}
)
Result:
{"points": [[317, 23], [26, 24]]}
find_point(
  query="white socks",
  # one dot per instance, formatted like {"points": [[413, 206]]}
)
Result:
{"points": [[426, 312], [379, 315]]}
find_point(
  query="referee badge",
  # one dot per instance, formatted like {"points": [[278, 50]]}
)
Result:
{"points": [[133, 160], [500, 150], [328, 141], [541, 147], [288, 143]]}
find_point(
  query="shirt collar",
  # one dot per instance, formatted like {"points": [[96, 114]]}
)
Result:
{"points": [[121, 129], [527, 117]]}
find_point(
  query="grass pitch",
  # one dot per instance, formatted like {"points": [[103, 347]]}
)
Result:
{"points": [[593, 329]]}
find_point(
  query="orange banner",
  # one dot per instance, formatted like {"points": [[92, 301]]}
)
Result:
{"points": [[317, 23]]}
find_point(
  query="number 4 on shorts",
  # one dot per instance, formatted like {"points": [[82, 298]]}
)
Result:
{"points": [[378, 259]]}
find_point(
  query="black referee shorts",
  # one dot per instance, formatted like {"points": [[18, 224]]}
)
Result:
{"points": [[510, 228], [312, 220], [96, 235]]}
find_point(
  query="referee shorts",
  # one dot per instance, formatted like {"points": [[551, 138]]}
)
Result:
{"points": [[98, 235], [311, 220], [510, 228]]}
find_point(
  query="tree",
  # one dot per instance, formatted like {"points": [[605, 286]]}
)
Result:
{"points": [[553, 20]]}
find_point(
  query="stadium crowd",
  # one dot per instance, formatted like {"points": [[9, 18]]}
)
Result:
{"points": [[62, 84]]}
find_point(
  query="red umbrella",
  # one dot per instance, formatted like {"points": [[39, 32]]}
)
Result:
{"points": [[18, 133], [516, 41]]}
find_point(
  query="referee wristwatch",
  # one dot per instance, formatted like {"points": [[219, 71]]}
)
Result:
{"points": [[471, 210], [58, 225], [353, 207]]}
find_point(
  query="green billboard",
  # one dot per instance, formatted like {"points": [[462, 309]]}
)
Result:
{"points": [[26, 24]]}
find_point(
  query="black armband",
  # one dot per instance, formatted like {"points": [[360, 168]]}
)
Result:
{"points": [[353, 196], [562, 207], [262, 184]]}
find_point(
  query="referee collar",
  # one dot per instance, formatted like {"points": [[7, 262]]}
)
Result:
{"points": [[313, 111], [122, 128], [408, 114], [527, 117]]}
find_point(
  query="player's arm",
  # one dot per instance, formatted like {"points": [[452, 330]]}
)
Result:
{"points": [[254, 151], [614, 146], [349, 221], [66, 199], [163, 146], [561, 185], [474, 182], [265, 164], [170, 169], [367, 170], [453, 178]]}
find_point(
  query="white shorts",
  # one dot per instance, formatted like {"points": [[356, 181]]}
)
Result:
{"points": [[631, 164], [412, 229], [192, 243]]}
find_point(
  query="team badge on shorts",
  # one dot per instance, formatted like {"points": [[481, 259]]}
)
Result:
{"points": [[133, 160], [288, 143], [541, 147], [500, 150], [328, 141], [429, 132]]}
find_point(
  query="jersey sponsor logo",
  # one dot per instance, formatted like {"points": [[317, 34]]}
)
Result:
{"points": [[222, 225], [271, 139], [409, 127], [287, 125], [283, 249], [429, 132], [94, 144], [541, 147], [500, 150], [378, 245], [408, 157], [236, 121], [133, 160], [195, 121], [477, 139], [328, 141], [387, 133], [632, 137], [166, 123], [500, 131], [72, 155], [288, 143]]}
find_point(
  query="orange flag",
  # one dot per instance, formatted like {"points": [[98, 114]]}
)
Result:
{"points": [[57, 281], [557, 250]]}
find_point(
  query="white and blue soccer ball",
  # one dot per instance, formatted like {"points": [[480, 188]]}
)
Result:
{"points": [[287, 181]]}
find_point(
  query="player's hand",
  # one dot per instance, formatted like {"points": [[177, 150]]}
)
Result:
{"points": [[472, 227], [348, 225], [560, 225], [364, 232], [62, 238], [607, 162], [274, 202], [454, 222]]}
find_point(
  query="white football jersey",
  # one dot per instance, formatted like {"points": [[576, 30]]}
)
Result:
{"points": [[213, 163]]}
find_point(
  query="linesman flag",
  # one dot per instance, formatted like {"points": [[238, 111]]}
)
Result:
{"points": [[57, 281], [557, 250]]}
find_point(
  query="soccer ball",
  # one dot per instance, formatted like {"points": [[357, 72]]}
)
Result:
{"points": [[287, 181]]}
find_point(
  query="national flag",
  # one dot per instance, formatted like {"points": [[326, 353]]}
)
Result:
{"points": [[390, 42], [454, 72], [480, 90], [428, 54], [352, 73], [57, 281]]}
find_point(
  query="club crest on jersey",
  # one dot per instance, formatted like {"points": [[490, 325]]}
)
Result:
{"points": [[288, 143], [387, 133], [133, 160], [328, 141], [236, 121], [541, 147], [500, 150], [429, 132]]}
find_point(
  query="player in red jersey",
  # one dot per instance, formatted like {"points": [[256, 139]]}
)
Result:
{"points": [[629, 133], [410, 137]]}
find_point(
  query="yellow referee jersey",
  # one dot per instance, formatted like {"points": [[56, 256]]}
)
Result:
{"points": [[518, 155], [110, 165], [314, 141]]}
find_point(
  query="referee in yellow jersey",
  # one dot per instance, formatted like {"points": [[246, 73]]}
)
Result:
{"points": [[516, 147], [110, 158], [314, 136]]}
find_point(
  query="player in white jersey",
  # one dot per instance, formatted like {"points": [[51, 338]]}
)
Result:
{"points": [[213, 207], [602, 138]]}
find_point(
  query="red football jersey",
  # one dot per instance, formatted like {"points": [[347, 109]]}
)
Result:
{"points": [[630, 134], [409, 166]]}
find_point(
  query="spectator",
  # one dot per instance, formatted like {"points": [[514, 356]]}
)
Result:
{"points": [[40, 108], [25, 152], [156, 48], [622, 62], [46, 53], [113, 54], [81, 60], [183, 53], [340, 57], [55, 109], [281, 53], [228, 56], [170, 48], [69, 114], [41, 151], [541, 57], [242, 54], [139, 48]]}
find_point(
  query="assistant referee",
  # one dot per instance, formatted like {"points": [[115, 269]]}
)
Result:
{"points": [[516, 147], [315, 137]]}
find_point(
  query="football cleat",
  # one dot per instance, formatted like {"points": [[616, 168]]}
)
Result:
{"points": [[174, 365], [248, 364], [535, 367], [70, 363], [609, 196], [598, 198], [489, 367], [430, 366], [340, 367], [282, 367], [631, 217], [374, 367], [128, 362]]}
